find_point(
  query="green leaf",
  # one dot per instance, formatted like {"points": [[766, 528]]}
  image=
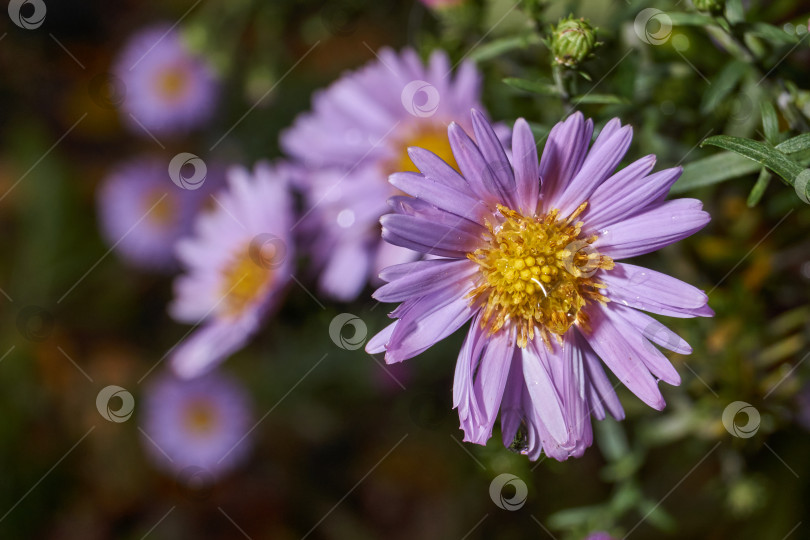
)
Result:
{"points": [[734, 11], [538, 87], [602, 99], [770, 123], [657, 516], [723, 84], [759, 188], [503, 45], [795, 144], [786, 168], [681, 18], [712, 170], [771, 33]]}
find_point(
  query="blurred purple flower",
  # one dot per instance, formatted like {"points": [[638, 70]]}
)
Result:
{"points": [[168, 87], [142, 213], [196, 423], [356, 135], [237, 266], [599, 535], [528, 264]]}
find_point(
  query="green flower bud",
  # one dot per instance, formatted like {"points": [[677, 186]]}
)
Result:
{"points": [[572, 42], [713, 6]]}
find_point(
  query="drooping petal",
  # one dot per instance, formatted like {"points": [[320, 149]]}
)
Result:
{"points": [[543, 393], [608, 341]]}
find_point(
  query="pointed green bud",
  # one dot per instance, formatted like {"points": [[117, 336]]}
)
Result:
{"points": [[712, 6], [572, 42]]}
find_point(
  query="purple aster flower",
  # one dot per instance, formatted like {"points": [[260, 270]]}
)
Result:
{"points": [[196, 423], [356, 135], [142, 213], [168, 87], [237, 266], [527, 252]]}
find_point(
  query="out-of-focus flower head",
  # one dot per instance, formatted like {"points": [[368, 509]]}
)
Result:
{"points": [[441, 4], [236, 265], [358, 132], [201, 422], [533, 267], [142, 213], [168, 87]]}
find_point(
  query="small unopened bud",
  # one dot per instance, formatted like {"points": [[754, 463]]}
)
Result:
{"points": [[572, 42], [712, 6]]}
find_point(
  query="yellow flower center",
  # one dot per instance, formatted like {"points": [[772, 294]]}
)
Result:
{"points": [[161, 208], [535, 272], [245, 280], [430, 136], [200, 417], [172, 83]]}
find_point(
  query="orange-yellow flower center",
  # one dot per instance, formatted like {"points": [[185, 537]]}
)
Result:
{"points": [[161, 207], [535, 272], [200, 417], [430, 136], [172, 83], [245, 281]]}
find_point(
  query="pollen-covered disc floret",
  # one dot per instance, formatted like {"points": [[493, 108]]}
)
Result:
{"points": [[536, 272]]}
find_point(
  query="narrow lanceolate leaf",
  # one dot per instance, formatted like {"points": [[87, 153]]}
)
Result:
{"points": [[503, 45], [759, 188], [770, 123], [537, 87], [723, 84], [771, 33], [713, 169], [601, 99], [786, 168], [795, 144]]}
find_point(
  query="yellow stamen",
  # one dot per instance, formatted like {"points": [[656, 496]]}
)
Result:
{"points": [[431, 136], [172, 83], [200, 417], [245, 280], [536, 272]]}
